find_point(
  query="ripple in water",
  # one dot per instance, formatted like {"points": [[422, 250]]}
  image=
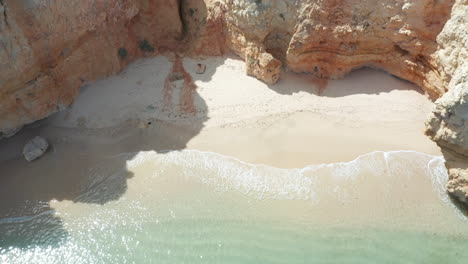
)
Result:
{"points": [[198, 207]]}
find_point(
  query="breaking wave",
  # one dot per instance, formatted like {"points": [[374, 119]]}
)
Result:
{"points": [[384, 172]]}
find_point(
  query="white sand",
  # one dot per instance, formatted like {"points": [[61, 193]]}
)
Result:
{"points": [[286, 124], [229, 96]]}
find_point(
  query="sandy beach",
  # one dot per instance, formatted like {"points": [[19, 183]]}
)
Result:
{"points": [[289, 123]]}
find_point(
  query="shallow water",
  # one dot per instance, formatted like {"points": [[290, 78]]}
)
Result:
{"points": [[198, 207]]}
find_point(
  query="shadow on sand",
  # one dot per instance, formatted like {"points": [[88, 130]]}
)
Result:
{"points": [[92, 168], [352, 84]]}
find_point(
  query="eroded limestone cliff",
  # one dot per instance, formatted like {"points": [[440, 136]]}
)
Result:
{"points": [[448, 126], [50, 48], [448, 123]]}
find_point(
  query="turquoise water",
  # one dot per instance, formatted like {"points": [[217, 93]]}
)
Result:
{"points": [[231, 241], [197, 207]]}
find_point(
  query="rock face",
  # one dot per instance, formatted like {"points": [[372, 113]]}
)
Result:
{"points": [[447, 125], [35, 148], [331, 38], [49, 49]]}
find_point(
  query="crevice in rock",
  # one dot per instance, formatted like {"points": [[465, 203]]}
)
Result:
{"points": [[33, 80], [276, 43], [182, 20], [400, 50], [5, 17]]}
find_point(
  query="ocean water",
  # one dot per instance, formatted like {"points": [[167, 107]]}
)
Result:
{"points": [[198, 207]]}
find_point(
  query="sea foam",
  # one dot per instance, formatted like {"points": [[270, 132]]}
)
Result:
{"points": [[261, 181]]}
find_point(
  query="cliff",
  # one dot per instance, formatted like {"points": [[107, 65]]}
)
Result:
{"points": [[49, 49], [448, 123]]}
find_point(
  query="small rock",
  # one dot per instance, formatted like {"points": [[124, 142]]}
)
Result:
{"points": [[201, 68], [142, 125], [35, 148]]}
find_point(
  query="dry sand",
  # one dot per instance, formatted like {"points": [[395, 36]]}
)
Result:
{"points": [[285, 125]]}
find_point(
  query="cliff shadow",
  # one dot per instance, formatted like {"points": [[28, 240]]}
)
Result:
{"points": [[455, 161], [155, 109], [360, 81], [462, 207]]}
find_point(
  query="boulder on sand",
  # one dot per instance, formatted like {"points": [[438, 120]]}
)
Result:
{"points": [[201, 68], [35, 148]]}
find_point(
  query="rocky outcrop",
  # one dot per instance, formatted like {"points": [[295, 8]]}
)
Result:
{"points": [[331, 38], [49, 49], [448, 123], [448, 126]]}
